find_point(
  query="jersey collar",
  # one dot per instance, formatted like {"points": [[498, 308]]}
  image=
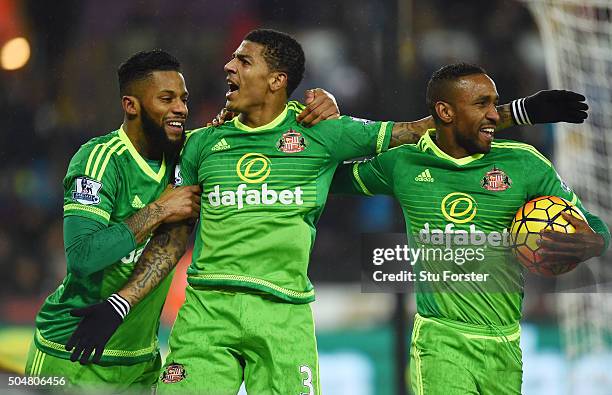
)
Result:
{"points": [[144, 166], [427, 142], [275, 122]]}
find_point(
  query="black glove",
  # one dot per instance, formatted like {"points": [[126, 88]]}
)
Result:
{"points": [[550, 107], [99, 323]]}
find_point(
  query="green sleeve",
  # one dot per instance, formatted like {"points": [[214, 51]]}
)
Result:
{"points": [[547, 182], [91, 246], [90, 184], [355, 138], [187, 170], [363, 178]]}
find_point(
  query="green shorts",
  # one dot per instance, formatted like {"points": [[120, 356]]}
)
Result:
{"points": [[452, 358], [222, 337], [130, 379]]}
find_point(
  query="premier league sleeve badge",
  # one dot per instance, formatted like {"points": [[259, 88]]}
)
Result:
{"points": [[86, 191]]}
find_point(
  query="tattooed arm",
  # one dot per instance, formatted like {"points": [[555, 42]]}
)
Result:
{"points": [[505, 117], [100, 321], [549, 106], [92, 246], [411, 132], [174, 204], [145, 221], [159, 257]]}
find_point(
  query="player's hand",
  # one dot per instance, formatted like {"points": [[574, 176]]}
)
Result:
{"points": [[224, 115], [550, 106], [99, 322], [179, 203], [320, 105], [567, 248]]}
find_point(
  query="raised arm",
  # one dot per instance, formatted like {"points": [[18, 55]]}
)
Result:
{"points": [[549, 106]]}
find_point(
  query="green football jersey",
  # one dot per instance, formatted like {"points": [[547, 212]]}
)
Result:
{"points": [[107, 181], [452, 205], [263, 190]]}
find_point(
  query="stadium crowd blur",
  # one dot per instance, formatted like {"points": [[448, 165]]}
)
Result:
{"points": [[376, 67]]}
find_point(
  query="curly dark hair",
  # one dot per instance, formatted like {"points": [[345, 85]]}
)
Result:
{"points": [[439, 84], [140, 66], [282, 53]]}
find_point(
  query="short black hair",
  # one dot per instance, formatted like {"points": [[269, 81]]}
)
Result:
{"points": [[282, 53], [439, 84], [140, 66]]}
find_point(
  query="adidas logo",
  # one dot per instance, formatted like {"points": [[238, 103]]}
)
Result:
{"points": [[424, 177], [137, 203], [220, 146]]}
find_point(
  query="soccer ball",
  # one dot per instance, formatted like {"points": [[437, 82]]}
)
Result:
{"points": [[541, 213]]}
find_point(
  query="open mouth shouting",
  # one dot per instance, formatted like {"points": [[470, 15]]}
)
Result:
{"points": [[233, 89]]}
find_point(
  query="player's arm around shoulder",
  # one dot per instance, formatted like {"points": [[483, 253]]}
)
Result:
{"points": [[548, 106], [319, 105], [409, 132], [350, 137]]}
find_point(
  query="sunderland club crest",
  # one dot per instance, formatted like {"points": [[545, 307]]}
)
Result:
{"points": [[291, 142], [496, 180], [173, 373]]}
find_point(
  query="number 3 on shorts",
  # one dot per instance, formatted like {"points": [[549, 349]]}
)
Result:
{"points": [[307, 382]]}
